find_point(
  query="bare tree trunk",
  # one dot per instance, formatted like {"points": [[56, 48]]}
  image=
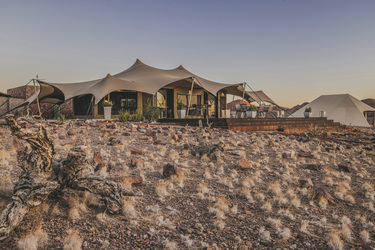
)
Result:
{"points": [[42, 175], [35, 182]]}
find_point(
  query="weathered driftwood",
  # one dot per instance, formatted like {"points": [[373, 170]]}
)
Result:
{"points": [[43, 174]]}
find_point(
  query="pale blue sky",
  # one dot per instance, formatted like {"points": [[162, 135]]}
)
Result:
{"points": [[294, 50]]}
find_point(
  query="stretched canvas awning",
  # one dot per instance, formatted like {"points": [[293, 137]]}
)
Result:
{"points": [[342, 108], [139, 77], [259, 96]]}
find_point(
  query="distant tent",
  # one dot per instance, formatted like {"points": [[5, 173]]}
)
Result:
{"points": [[342, 108]]}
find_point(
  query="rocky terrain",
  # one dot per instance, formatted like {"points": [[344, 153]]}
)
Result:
{"points": [[242, 190], [369, 101]]}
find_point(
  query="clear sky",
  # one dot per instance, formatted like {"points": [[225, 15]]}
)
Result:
{"points": [[294, 50]]}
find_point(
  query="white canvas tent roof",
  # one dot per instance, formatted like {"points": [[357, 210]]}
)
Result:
{"points": [[139, 77], [259, 96], [342, 108]]}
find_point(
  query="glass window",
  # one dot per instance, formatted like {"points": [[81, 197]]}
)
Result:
{"points": [[125, 100], [161, 98]]}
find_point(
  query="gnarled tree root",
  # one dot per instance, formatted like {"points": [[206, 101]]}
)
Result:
{"points": [[43, 174]]}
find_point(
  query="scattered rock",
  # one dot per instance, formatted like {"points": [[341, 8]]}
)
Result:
{"points": [[97, 158], [133, 128], [286, 155], [80, 148], [113, 141], [134, 162], [169, 170], [321, 192], [135, 151], [244, 164], [305, 154], [344, 167], [305, 182], [103, 167], [72, 131], [315, 167], [135, 180]]}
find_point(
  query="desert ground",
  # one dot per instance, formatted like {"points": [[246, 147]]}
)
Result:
{"points": [[251, 191]]}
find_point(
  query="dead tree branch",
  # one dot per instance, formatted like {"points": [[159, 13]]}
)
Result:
{"points": [[43, 174]]}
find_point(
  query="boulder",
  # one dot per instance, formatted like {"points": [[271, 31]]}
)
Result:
{"points": [[135, 151], [103, 166], [98, 158], [62, 136], [134, 162], [244, 164], [305, 154], [72, 131], [169, 170], [305, 182], [314, 167], [344, 167]]}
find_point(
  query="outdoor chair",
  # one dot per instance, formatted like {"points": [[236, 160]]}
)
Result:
{"points": [[261, 111], [233, 114]]}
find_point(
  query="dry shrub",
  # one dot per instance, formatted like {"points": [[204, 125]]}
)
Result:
{"points": [[267, 206], [246, 192], [323, 202], [72, 240], [202, 190], [219, 224], [248, 182], [284, 233], [4, 155], [207, 174], [34, 240], [171, 245], [264, 235], [365, 236], [275, 188], [161, 189], [334, 240], [275, 223], [346, 232], [6, 186], [222, 204], [304, 225], [128, 207]]}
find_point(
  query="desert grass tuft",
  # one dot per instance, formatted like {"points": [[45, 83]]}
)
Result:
{"points": [[334, 240], [72, 240], [264, 235], [365, 236], [34, 240]]}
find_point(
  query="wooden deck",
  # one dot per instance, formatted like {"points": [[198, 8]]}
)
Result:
{"points": [[261, 124]]}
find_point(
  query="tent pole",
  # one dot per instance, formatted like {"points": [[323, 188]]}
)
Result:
{"points": [[243, 94], [254, 93], [88, 109], [275, 104], [191, 94]]}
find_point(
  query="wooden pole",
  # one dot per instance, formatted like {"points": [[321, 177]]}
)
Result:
{"points": [[191, 93], [37, 98]]}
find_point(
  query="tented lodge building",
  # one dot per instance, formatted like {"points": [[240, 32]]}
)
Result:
{"points": [[132, 88]]}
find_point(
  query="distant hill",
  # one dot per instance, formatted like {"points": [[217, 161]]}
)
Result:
{"points": [[295, 108], [370, 102]]}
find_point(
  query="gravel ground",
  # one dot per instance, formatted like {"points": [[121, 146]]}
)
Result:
{"points": [[258, 190]]}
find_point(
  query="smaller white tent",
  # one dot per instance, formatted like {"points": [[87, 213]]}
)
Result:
{"points": [[342, 108]]}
